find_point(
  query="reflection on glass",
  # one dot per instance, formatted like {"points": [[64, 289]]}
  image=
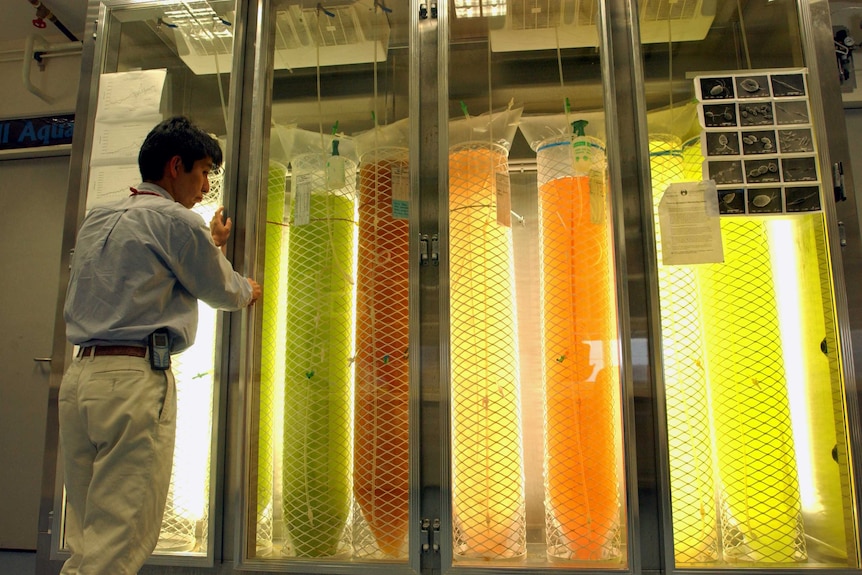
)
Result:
{"points": [[187, 511], [756, 429], [271, 425], [759, 488]]}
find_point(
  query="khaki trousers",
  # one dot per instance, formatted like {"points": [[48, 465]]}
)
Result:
{"points": [[117, 430]]}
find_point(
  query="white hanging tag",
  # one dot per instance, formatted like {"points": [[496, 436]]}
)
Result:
{"points": [[400, 178], [302, 199], [335, 179], [597, 196], [504, 200]]}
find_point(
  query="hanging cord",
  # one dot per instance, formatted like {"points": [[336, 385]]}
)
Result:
{"points": [[670, 67], [218, 79], [491, 165], [375, 67], [560, 68], [744, 35], [320, 10]]}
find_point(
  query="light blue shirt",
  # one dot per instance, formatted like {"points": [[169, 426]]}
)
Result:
{"points": [[141, 264]]}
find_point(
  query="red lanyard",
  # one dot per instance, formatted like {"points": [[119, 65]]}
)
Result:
{"points": [[139, 193]]}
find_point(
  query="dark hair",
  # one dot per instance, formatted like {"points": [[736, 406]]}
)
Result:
{"points": [[176, 137]]}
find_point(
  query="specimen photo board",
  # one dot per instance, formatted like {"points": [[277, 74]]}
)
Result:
{"points": [[758, 142]]}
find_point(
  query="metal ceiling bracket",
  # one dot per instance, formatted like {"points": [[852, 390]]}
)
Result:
{"points": [[36, 48]]}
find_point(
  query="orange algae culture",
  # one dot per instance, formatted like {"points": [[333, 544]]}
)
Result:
{"points": [[381, 439], [579, 330]]}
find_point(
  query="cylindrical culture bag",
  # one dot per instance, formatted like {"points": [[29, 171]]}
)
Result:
{"points": [[381, 431], [271, 359], [579, 334], [487, 451], [319, 351], [690, 430]]}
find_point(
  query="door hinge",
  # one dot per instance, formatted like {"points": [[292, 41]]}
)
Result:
{"points": [[430, 535], [429, 249], [838, 181]]}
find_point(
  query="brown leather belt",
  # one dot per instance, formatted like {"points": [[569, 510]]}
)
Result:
{"points": [[98, 350]]}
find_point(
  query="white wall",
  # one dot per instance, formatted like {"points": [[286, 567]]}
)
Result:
{"points": [[31, 191], [59, 81]]}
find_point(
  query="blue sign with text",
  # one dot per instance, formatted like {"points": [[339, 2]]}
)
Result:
{"points": [[36, 132]]}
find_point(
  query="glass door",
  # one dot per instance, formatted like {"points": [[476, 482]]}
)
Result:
{"points": [[154, 60], [538, 464], [330, 450], [753, 376]]}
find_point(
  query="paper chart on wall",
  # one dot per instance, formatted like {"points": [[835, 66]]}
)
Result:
{"points": [[119, 143], [111, 183], [129, 105], [130, 95]]}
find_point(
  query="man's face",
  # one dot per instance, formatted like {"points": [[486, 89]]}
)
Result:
{"points": [[190, 187]]}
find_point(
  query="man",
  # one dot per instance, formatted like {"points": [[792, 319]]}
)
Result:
{"points": [[139, 267]]}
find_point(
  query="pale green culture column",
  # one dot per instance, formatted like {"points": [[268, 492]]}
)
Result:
{"points": [[271, 353], [319, 351]]}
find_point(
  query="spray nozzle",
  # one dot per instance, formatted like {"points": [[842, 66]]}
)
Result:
{"points": [[335, 147], [578, 127]]}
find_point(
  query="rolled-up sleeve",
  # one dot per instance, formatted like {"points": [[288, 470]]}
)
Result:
{"points": [[208, 275]]}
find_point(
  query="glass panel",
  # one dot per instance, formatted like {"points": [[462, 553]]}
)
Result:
{"points": [[332, 449], [537, 464], [160, 60], [758, 453]]}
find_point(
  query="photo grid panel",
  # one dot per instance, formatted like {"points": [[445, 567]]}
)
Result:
{"points": [[758, 142]]}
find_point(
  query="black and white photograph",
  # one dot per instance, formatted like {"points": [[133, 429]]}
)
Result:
{"points": [[762, 171], [752, 87], [731, 202], [795, 141], [727, 172], [717, 88], [720, 115], [785, 85], [759, 142], [803, 198], [765, 201], [799, 169], [791, 112], [722, 143], [756, 114]]}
